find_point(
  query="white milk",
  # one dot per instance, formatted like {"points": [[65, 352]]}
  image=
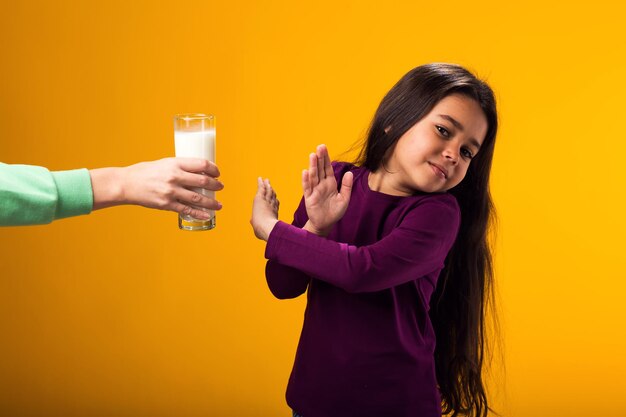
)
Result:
{"points": [[197, 145]]}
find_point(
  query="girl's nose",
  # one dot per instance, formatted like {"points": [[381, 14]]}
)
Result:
{"points": [[451, 156]]}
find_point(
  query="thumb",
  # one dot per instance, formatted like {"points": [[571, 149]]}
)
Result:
{"points": [[346, 186]]}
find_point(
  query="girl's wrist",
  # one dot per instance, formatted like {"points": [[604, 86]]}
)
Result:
{"points": [[320, 232], [268, 227]]}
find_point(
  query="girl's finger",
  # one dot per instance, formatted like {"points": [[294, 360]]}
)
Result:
{"points": [[260, 187], [268, 189], [320, 164], [328, 168], [346, 186], [306, 184], [313, 177]]}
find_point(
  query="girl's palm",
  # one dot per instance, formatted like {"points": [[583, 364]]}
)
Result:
{"points": [[325, 206]]}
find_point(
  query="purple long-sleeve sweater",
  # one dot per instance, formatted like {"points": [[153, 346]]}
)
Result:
{"points": [[367, 343]]}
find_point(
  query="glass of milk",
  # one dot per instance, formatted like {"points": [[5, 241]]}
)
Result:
{"points": [[194, 137]]}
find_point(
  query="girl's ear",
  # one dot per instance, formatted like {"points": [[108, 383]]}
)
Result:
{"points": [[387, 129]]}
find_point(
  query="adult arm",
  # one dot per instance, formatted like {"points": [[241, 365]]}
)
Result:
{"points": [[417, 247], [34, 195]]}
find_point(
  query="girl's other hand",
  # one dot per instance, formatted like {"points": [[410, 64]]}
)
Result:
{"points": [[325, 206], [264, 209]]}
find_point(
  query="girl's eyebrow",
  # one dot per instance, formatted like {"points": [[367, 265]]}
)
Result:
{"points": [[459, 126], [456, 124]]}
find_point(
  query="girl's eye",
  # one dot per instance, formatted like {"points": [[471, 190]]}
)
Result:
{"points": [[467, 153], [443, 131]]}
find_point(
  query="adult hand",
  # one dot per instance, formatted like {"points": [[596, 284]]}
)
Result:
{"points": [[325, 206], [166, 184]]}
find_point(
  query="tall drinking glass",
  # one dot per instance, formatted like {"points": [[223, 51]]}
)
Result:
{"points": [[194, 137]]}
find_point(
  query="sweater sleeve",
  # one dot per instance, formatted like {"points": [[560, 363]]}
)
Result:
{"points": [[34, 195], [285, 281], [417, 247]]}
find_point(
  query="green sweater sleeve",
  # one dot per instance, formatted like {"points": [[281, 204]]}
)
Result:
{"points": [[34, 195]]}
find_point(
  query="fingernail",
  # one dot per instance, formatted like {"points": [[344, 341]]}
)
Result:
{"points": [[219, 205]]}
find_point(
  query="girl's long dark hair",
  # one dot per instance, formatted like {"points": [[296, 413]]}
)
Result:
{"points": [[464, 291]]}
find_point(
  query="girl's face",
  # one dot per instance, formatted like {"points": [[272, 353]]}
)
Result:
{"points": [[435, 153]]}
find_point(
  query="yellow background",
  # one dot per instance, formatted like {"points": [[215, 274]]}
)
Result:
{"points": [[120, 313]]}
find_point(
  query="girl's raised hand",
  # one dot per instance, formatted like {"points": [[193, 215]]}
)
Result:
{"points": [[264, 209], [324, 204]]}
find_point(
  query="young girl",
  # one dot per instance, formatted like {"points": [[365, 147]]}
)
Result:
{"points": [[405, 231]]}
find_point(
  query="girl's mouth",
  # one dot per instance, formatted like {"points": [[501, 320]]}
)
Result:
{"points": [[439, 171]]}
